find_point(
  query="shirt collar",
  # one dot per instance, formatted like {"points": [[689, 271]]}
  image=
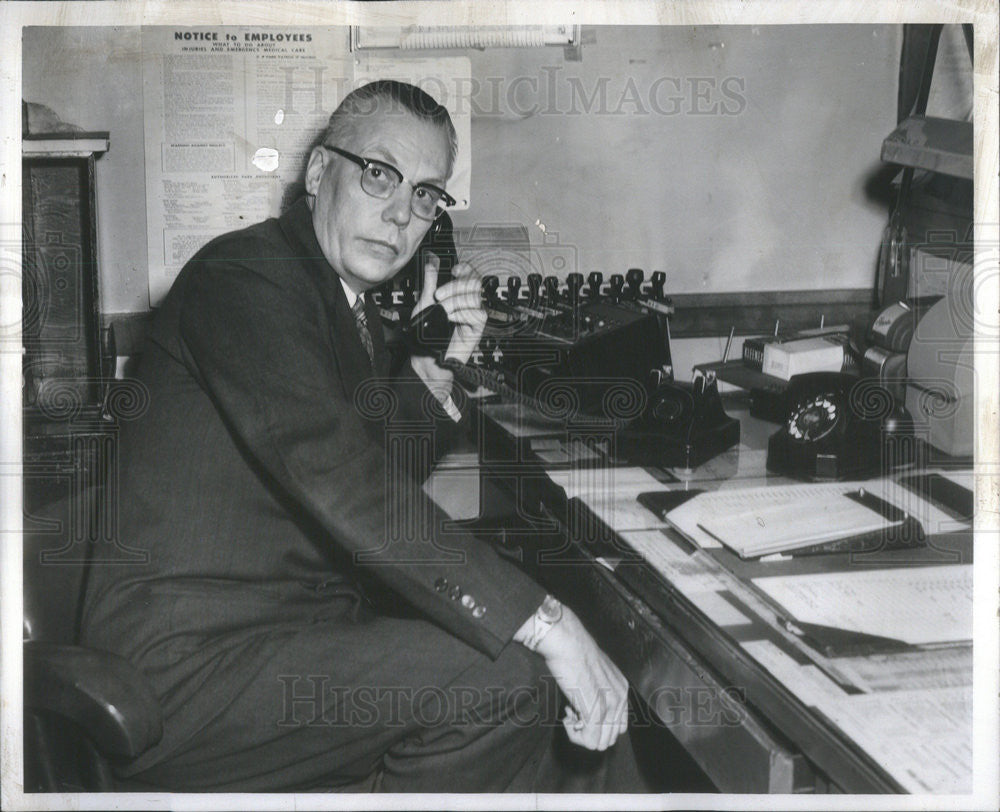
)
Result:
{"points": [[352, 297]]}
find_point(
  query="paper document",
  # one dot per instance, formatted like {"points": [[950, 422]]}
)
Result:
{"points": [[687, 573], [621, 512], [611, 483], [690, 517], [807, 682], [554, 451], [720, 611], [799, 502], [923, 739], [948, 667], [791, 525], [917, 605]]}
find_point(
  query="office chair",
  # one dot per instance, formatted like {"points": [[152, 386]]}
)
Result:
{"points": [[84, 709]]}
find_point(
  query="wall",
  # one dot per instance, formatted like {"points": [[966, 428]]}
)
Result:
{"points": [[769, 191], [753, 173], [92, 77]]}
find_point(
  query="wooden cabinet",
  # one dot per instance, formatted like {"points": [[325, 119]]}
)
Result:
{"points": [[64, 370]]}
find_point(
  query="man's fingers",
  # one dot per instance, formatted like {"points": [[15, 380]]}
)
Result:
{"points": [[467, 316], [461, 270], [431, 267], [459, 295], [611, 724], [426, 299], [575, 734], [596, 727], [582, 730]]}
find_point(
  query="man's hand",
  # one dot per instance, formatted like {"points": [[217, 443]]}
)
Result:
{"points": [[597, 691], [462, 301]]}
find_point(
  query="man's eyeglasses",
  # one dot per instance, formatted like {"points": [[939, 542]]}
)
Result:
{"points": [[381, 180]]}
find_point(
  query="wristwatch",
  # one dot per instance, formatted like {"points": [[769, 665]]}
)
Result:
{"points": [[546, 616]]}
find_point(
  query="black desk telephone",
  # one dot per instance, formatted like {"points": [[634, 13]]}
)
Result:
{"points": [[583, 353], [835, 427], [683, 426]]}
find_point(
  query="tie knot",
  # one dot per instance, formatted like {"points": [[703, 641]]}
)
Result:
{"points": [[359, 307]]}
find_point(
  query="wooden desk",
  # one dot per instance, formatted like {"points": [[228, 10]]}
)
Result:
{"points": [[750, 701]]}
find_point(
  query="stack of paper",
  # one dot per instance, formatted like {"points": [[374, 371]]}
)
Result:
{"points": [[764, 520], [923, 738], [778, 528], [916, 605]]}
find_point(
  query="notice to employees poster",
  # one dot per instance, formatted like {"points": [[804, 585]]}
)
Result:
{"points": [[230, 114]]}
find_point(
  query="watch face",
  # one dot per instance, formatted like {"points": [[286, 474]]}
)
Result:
{"points": [[813, 419], [550, 610]]}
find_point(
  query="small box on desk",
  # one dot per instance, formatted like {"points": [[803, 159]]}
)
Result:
{"points": [[816, 354]]}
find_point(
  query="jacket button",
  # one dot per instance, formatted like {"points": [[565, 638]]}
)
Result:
{"points": [[468, 601], [441, 584], [456, 592], [479, 611]]}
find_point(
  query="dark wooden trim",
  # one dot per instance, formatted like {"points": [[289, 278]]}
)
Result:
{"points": [[699, 315], [696, 314]]}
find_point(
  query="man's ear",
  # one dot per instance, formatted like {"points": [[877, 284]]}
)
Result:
{"points": [[314, 169]]}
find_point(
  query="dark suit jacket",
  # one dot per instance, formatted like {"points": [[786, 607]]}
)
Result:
{"points": [[258, 485]]}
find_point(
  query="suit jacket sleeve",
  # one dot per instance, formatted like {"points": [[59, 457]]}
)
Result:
{"points": [[261, 346]]}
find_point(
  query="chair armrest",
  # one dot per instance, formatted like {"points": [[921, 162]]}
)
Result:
{"points": [[101, 692]]}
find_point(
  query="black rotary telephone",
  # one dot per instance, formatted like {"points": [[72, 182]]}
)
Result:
{"points": [[834, 428]]}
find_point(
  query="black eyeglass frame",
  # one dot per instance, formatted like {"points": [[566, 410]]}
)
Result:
{"points": [[364, 163]]}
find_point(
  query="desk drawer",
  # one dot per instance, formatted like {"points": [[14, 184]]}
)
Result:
{"points": [[708, 717]]}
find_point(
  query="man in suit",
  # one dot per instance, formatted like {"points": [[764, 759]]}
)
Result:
{"points": [[301, 620]]}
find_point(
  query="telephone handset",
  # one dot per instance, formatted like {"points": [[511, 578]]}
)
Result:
{"points": [[833, 429], [439, 241], [429, 331]]}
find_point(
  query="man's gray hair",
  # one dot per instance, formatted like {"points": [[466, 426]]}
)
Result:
{"points": [[389, 96]]}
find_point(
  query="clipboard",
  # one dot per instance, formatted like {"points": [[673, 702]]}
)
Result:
{"points": [[775, 529]]}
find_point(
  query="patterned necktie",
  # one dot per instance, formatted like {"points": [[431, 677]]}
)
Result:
{"points": [[366, 337]]}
